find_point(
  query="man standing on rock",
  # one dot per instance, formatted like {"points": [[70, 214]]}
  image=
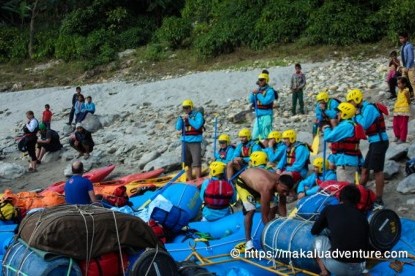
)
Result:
{"points": [[74, 100], [297, 88], [262, 99], [345, 139], [190, 125], [407, 57], [370, 116]]}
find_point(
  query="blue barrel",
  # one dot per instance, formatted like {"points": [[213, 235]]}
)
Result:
{"points": [[20, 259], [290, 235], [184, 196], [310, 207], [6, 235]]}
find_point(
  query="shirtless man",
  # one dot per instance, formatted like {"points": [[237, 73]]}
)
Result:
{"points": [[259, 184]]}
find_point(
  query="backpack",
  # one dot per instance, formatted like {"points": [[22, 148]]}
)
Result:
{"points": [[383, 109], [22, 145], [119, 197], [106, 264], [218, 194], [275, 94]]}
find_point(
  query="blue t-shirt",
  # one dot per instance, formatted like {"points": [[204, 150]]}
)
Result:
{"points": [[76, 190]]}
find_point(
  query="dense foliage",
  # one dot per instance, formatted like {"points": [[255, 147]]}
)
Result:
{"points": [[94, 31]]}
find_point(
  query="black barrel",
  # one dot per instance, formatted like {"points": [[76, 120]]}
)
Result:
{"points": [[384, 229], [153, 262]]}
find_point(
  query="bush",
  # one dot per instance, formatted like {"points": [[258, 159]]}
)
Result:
{"points": [[339, 22], [68, 47], [282, 22], [80, 22], [198, 10], [173, 32], [138, 35], [8, 37], [399, 16], [220, 40], [155, 52], [44, 44]]}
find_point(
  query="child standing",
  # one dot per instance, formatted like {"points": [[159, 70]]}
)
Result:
{"points": [[393, 73], [297, 85], [47, 116], [402, 110]]}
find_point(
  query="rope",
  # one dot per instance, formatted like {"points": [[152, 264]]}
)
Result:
{"points": [[152, 261], [68, 273], [119, 243]]}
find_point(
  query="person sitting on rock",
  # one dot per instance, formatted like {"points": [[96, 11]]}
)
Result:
{"points": [[326, 112], [191, 126], [216, 193], [82, 141], [259, 185], [78, 189], [345, 139], [309, 186], [347, 231], [49, 142], [242, 152], [89, 105], [226, 149], [276, 148], [296, 158]]}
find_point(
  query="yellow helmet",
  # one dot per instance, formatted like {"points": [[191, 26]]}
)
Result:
{"points": [[354, 95], [276, 135], [318, 162], [347, 110], [187, 103], [245, 132], [290, 134], [7, 210], [258, 158], [322, 96], [224, 137], [264, 76], [216, 168]]}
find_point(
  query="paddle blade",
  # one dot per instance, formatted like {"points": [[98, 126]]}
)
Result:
{"points": [[316, 144], [183, 177], [356, 178], [293, 213]]}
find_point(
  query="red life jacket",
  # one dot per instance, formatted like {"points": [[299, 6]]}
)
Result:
{"points": [[224, 152], [107, 264], [189, 130], [291, 154], [158, 230], [119, 197], [378, 125], [350, 145], [246, 149], [264, 106], [218, 194]]}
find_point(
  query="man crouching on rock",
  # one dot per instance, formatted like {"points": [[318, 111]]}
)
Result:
{"points": [[258, 184]]}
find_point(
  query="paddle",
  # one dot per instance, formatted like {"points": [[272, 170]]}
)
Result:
{"points": [[324, 158], [159, 191], [183, 177], [215, 137], [316, 143], [257, 117]]}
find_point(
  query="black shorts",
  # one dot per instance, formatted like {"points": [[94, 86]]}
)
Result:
{"points": [[375, 157]]}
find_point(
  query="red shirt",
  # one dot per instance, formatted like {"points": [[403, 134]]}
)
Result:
{"points": [[47, 116]]}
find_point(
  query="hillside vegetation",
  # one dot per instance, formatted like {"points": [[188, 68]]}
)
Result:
{"points": [[90, 33]]}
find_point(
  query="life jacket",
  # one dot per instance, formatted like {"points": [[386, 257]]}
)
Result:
{"points": [[31, 133], [218, 194], [158, 230], [246, 149], [119, 197], [189, 130], [291, 153], [224, 152], [264, 106], [378, 126], [7, 211], [107, 264], [367, 196], [350, 145]]}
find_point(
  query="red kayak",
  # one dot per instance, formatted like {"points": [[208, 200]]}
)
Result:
{"points": [[140, 176], [94, 175]]}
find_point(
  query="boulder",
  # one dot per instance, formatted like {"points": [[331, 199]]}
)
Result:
{"points": [[396, 152], [391, 168], [91, 123], [411, 151], [11, 170], [107, 120], [52, 156], [67, 130], [146, 158], [407, 185], [169, 161], [242, 117]]}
